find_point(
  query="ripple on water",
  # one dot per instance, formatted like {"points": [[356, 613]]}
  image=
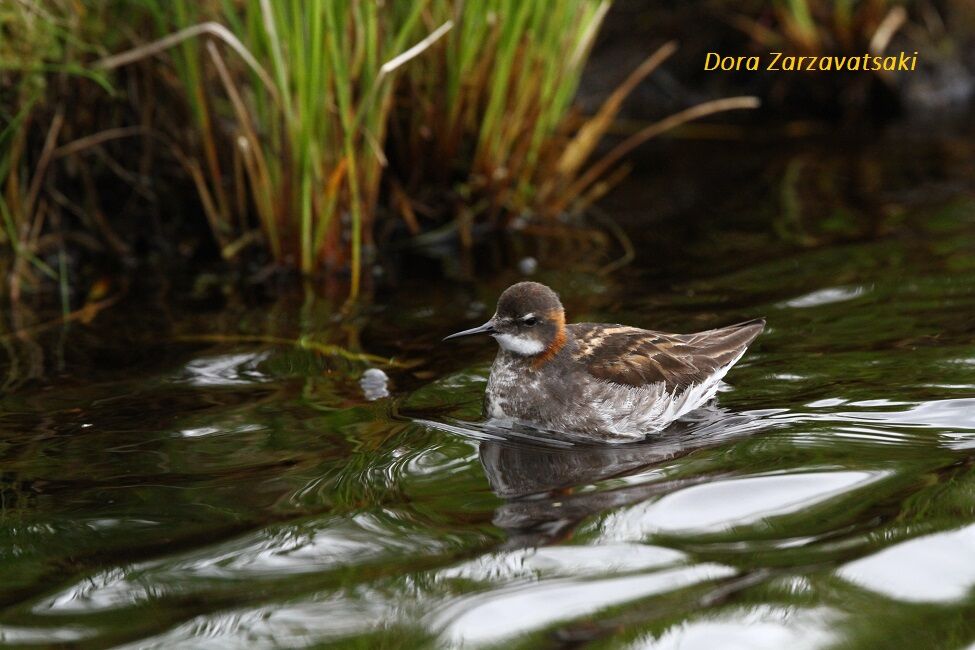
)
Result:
{"points": [[756, 628], [932, 568], [201, 432], [237, 369], [283, 625], [940, 414], [721, 505], [825, 297], [12, 635], [269, 554], [564, 561], [503, 613]]}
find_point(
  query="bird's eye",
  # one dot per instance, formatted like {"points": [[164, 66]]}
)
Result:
{"points": [[531, 321]]}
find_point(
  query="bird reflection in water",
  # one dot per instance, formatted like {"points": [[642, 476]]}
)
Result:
{"points": [[541, 482]]}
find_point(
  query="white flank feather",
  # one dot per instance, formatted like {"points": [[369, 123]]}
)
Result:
{"points": [[631, 412]]}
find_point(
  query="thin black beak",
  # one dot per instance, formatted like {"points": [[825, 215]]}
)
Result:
{"points": [[486, 328]]}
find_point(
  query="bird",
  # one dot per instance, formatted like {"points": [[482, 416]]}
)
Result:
{"points": [[606, 382]]}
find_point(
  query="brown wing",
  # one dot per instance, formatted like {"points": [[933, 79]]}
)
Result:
{"points": [[635, 357]]}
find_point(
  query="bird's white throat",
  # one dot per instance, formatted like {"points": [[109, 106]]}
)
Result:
{"points": [[524, 346]]}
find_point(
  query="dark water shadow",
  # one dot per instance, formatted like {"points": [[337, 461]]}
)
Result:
{"points": [[544, 477]]}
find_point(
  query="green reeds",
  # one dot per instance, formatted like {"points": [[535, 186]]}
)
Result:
{"points": [[494, 97], [298, 138]]}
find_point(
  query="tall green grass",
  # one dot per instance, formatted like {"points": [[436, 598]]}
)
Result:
{"points": [[306, 89], [310, 90], [498, 91]]}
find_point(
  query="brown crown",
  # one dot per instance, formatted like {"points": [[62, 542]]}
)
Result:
{"points": [[527, 297]]}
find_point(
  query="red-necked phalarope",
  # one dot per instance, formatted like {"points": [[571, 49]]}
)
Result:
{"points": [[610, 382]]}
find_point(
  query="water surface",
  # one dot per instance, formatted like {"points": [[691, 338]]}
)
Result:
{"points": [[160, 487]]}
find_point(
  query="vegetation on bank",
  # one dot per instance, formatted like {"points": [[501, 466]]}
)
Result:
{"points": [[302, 133], [300, 126]]}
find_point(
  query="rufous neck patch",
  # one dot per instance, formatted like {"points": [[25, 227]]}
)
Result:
{"points": [[558, 342]]}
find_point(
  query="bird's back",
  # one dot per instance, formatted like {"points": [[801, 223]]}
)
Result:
{"points": [[636, 357]]}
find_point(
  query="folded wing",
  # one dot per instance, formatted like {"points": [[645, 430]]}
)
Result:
{"points": [[636, 357]]}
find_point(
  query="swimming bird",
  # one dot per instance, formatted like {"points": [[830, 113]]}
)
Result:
{"points": [[611, 383]]}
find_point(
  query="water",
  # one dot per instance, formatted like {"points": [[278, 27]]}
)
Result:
{"points": [[162, 488]]}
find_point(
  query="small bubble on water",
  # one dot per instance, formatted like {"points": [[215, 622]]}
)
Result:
{"points": [[375, 384], [528, 266]]}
